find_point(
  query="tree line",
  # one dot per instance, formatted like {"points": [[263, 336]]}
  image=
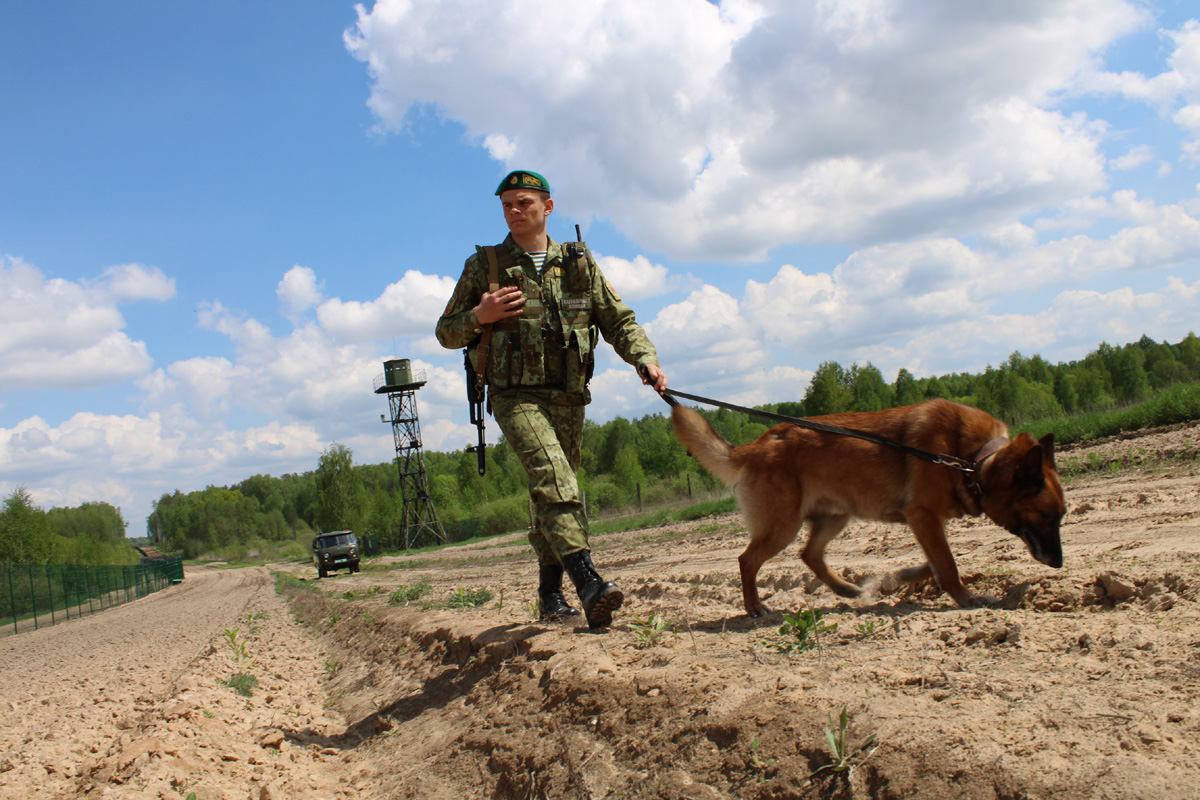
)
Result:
{"points": [[623, 458], [92, 533]]}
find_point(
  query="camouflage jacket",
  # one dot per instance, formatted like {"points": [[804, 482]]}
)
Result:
{"points": [[551, 346]]}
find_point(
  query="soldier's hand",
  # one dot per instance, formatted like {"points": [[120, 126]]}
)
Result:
{"points": [[653, 376], [507, 301]]}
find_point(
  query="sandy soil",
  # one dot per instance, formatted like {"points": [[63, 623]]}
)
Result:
{"points": [[1083, 683]]}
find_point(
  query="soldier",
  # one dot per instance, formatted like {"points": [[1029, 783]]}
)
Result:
{"points": [[544, 311]]}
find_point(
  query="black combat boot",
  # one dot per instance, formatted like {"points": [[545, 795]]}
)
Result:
{"points": [[600, 598], [550, 596]]}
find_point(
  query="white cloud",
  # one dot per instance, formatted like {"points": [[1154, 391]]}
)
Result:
{"points": [[1177, 88], [1186, 63], [59, 333], [636, 279], [1072, 326], [298, 291], [706, 338], [720, 132], [1134, 158], [407, 307], [130, 461], [936, 304], [271, 407], [135, 282]]}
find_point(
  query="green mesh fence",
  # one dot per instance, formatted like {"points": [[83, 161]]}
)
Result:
{"points": [[33, 597]]}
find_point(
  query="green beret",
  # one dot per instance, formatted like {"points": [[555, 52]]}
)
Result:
{"points": [[523, 179]]}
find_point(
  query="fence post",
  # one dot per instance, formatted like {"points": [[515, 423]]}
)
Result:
{"points": [[12, 598], [49, 592], [639, 495], [32, 596]]}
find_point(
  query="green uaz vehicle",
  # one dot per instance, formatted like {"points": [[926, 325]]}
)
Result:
{"points": [[334, 550]]}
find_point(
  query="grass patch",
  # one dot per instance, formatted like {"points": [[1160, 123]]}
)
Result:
{"points": [[800, 631], [468, 598], [242, 682], [650, 630], [410, 594], [662, 517], [1170, 407], [285, 581]]}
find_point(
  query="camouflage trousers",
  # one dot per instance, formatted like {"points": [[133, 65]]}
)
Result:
{"points": [[548, 440]]}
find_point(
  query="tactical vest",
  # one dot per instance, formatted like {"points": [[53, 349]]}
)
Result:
{"points": [[550, 346]]}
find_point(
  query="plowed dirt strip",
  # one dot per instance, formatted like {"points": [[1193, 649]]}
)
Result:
{"points": [[1080, 683], [128, 703]]}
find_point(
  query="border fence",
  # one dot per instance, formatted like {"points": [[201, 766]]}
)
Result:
{"points": [[33, 597]]}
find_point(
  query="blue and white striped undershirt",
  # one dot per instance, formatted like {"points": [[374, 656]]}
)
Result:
{"points": [[539, 258]]}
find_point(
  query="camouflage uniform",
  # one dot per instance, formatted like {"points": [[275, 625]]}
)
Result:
{"points": [[538, 370]]}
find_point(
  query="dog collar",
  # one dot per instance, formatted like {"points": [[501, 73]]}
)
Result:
{"points": [[988, 450]]}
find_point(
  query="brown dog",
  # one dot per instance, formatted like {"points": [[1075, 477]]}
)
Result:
{"points": [[791, 474]]}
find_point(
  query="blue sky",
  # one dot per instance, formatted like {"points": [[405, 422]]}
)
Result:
{"points": [[218, 219]]}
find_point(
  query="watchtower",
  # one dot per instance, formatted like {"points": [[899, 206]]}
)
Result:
{"points": [[419, 519]]}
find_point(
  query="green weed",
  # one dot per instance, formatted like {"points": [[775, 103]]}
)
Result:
{"points": [[648, 631], [468, 598], [409, 594], [758, 765], [867, 629], [839, 747], [800, 631], [240, 656], [243, 683]]}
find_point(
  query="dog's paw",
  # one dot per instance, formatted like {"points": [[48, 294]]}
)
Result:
{"points": [[758, 612]]}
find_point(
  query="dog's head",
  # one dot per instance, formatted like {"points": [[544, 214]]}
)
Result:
{"points": [[1022, 494]]}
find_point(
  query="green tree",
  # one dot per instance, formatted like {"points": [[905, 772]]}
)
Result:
{"points": [[25, 533], [627, 471], [1189, 354], [1090, 381], [871, 392], [906, 390], [999, 390], [99, 521], [266, 490], [1064, 391], [1128, 370], [829, 392], [616, 435], [1168, 372], [935, 388], [342, 499]]}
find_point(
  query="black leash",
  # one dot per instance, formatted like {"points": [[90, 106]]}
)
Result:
{"points": [[967, 468]]}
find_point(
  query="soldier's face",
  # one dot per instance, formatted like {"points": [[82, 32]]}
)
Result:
{"points": [[525, 210]]}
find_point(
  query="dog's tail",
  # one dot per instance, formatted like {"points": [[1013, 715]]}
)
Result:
{"points": [[708, 446]]}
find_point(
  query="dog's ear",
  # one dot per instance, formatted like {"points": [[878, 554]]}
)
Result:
{"points": [[1029, 470], [1047, 443]]}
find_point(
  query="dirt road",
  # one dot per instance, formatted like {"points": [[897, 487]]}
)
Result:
{"points": [[1084, 682]]}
